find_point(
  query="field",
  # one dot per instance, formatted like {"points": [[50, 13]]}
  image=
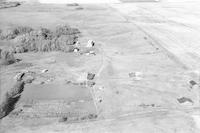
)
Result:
{"points": [[145, 59]]}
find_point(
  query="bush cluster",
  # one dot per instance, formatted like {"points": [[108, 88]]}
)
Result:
{"points": [[6, 57], [43, 39]]}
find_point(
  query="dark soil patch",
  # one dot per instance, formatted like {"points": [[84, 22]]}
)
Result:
{"points": [[184, 99], [63, 119], [90, 76], [4, 4], [79, 8], [73, 4], [89, 117], [10, 99]]}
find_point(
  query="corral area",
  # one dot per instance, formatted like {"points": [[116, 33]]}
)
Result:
{"points": [[112, 67]]}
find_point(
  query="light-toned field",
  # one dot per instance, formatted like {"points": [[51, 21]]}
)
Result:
{"points": [[157, 40]]}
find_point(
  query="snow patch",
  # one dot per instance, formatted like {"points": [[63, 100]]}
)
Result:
{"points": [[78, 1], [197, 120]]}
